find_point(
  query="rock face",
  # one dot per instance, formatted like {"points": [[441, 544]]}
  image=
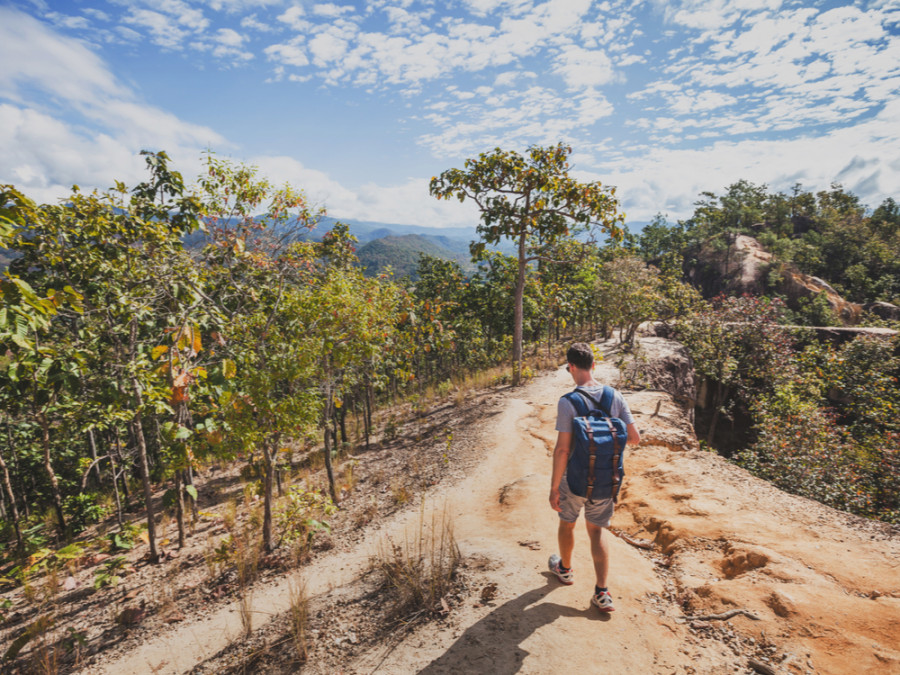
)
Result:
{"points": [[737, 268], [883, 310], [796, 286], [667, 366], [742, 266]]}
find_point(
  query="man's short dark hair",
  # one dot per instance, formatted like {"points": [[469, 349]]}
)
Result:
{"points": [[580, 355]]}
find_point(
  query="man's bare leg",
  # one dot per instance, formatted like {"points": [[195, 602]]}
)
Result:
{"points": [[566, 535], [599, 552]]}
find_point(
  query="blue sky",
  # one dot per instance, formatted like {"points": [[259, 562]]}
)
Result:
{"points": [[361, 103]]}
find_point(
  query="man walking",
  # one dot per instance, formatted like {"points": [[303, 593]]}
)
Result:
{"points": [[597, 514]]}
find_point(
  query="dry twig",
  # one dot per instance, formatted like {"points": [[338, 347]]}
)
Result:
{"points": [[723, 616], [627, 538]]}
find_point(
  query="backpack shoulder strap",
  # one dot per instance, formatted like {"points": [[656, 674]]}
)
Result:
{"points": [[606, 400], [604, 404], [577, 400]]}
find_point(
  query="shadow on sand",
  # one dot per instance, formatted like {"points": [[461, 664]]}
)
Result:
{"points": [[493, 644]]}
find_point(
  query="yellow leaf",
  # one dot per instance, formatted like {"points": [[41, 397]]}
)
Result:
{"points": [[159, 351], [198, 345], [145, 537]]}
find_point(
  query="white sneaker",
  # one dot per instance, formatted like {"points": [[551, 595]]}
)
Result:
{"points": [[603, 601], [555, 565]]}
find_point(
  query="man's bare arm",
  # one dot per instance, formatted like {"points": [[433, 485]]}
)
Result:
{"points": [[634, 436], [560, 458]]}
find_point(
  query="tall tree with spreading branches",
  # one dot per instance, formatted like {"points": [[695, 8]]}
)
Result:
{"points": [[533, 201]]}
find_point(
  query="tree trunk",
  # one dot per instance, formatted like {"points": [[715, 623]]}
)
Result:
{"points": [[121, 472], [518, 315], [367, 417], [14, 510], [326, 417], [342, 416], [15, 459], [268, 531], [115, 483], [51, 475], [721, 395], [138, 431], [179, 509], [189, 480], [93, 446], [328, 467]]}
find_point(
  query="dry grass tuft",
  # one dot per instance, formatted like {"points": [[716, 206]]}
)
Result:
{"points": [[399, 492], [420, 570], [299, 615]]}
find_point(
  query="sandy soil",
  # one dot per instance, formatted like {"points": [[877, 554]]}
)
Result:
{"points": [[823, 586]]}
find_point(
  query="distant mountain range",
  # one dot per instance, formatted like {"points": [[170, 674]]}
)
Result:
{"points": [[386, 244], [401, 253], [367, 230]]}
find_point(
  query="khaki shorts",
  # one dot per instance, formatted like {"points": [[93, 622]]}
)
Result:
{"points": [[599, 513]]}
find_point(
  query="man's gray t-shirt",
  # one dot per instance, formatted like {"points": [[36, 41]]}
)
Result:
{"points": [[565, 411]]}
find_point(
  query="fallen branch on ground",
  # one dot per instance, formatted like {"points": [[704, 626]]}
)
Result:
{"points": [[627, 538], [723, 616], [761, 667]]}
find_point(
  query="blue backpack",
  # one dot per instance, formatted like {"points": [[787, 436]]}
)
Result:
{"points": [[596, 464]]}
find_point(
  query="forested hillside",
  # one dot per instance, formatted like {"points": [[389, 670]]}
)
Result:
{"points": [[401, 254], [827, 234]]}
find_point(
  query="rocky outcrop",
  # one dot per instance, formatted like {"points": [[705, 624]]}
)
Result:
{"points": [[666, 365], [883, 310], [743, 267], [797, 286], [737, 268]]}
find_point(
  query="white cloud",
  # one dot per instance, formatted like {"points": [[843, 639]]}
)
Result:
{"points": [[70, 22], [169, 23], [510, 77], [229, 44], [408, 202], [252, 23], [235, 6], [331, 10], [450, 45], [290, 54], [66, 119], [514, 119], [327, 47], [582, 68], [293, 17], [670, 179], [686, 103]]}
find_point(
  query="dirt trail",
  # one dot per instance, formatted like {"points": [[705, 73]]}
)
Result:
{"points": [[825, 586]]}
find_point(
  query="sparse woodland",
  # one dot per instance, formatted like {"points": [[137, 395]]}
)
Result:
{"points": [[130, 363]]}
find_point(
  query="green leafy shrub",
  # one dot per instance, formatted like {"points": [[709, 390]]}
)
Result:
{"points": [[302, 515], [83, 510], [110, 572]]}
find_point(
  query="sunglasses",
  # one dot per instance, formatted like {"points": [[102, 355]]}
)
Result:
{"points": [[568, 368]]}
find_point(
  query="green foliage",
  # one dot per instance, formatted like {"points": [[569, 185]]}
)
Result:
{"points": [[824, 418], [628, 294], [110, 572], [532, 201], [801, 449], [83, 510], [302, 515], [119, 344], [401, 254], [827, 234]]}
